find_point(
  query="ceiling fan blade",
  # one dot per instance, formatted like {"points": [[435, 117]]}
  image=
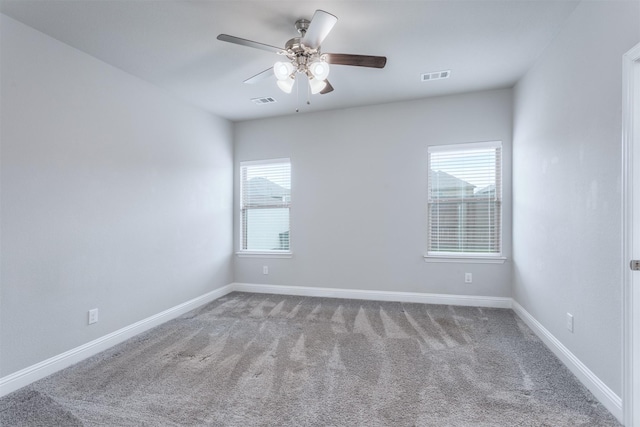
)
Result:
{"points": [[319, 28], [248, 43], [356, 60], [328, 88], [260, 76]]}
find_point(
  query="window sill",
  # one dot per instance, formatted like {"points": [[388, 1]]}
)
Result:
{"points": [[264, 254], [465, 259]]}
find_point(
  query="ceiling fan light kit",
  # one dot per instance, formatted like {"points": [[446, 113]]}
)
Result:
{"points": [[283, 70], [319, 69], [304, 56], [286, 85], [316, 85]]}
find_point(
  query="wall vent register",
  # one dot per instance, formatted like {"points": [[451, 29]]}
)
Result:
{"points": [[435, 75], [263, 100]]}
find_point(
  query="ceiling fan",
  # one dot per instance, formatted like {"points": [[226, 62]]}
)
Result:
{"points": [[303, 55]]}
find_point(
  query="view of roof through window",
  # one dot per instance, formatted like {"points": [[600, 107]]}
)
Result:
{"points": [[470, 167]]}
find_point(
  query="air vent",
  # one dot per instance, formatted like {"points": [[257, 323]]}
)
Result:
{"points": [[436, 75], [265, 100]]}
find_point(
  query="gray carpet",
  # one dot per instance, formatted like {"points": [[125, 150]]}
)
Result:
{"points": [[267, 360]]}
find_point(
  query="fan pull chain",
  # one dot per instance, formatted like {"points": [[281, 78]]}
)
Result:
{"points": [[297, 95]]}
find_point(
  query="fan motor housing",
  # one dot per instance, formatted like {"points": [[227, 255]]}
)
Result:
{"points": [[294, 45]]}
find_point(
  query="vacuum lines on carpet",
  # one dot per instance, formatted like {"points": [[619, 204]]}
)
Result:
{"points": [[271, 360]]}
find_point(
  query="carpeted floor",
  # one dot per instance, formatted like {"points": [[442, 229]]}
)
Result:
{"points": [[269, 360]]}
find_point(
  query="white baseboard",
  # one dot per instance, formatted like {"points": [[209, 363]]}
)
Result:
{"points": [[417, 297], [47, 367], [604, 394]]}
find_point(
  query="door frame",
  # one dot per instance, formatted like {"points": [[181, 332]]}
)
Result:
{"points": [[631, 280]]}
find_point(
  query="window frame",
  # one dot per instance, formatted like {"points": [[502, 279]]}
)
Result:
{"points": [[468, 257], [276, 253]]}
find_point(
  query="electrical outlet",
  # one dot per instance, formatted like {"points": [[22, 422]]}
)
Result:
{"points": [[570, 322], [265, 269], [468, 278], [93, 316]]}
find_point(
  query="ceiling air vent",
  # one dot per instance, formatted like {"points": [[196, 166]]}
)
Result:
{"points": [[435, 75], [265, 100]]}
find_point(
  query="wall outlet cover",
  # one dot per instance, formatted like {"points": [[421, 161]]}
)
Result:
{"points": [[570, 322], [93, 316]]}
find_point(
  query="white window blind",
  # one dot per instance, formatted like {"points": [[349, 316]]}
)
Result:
{"points": [[465, 199], [265, 198]]}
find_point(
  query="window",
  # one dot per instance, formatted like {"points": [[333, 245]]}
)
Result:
{"points": [[265, 201], [464, 205]]}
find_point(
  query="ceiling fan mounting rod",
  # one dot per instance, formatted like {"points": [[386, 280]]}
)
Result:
{"points": [[302, 25]]}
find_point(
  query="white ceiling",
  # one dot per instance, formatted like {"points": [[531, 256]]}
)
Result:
{"points": [[485, 44]]}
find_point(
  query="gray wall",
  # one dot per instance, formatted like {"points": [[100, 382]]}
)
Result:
{"points": [[566, 184], [114, 195], [359, 193]]}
